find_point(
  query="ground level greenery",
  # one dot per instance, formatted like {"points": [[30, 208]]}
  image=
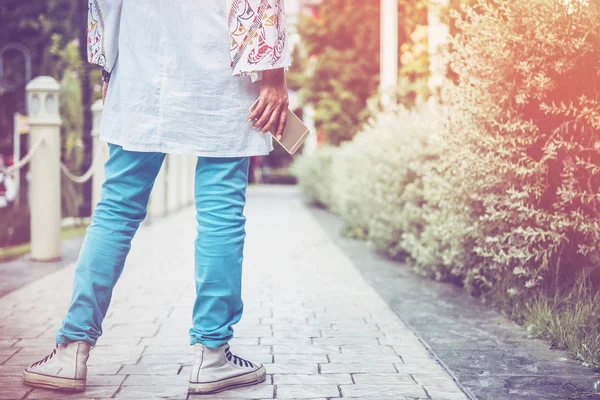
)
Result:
{"points": [[496, 185]]}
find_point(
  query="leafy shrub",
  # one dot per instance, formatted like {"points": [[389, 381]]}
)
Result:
{"points": [[315, 172], [526, 114], [378, 176], [501, 192], [14, 226]]}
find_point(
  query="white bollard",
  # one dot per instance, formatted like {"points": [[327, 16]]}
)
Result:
{"points": [[100, 154], [158, 197], [45, 201], [388, 50], [172, 183], [193, 162], [184, 181], [438, 36]]}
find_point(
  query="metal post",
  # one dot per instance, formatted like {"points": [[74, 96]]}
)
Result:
{"points": [[100, 154], [438, 33], [17, 155], [45, 122], [389, 49]]}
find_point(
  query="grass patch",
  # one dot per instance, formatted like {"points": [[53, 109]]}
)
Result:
{"points": [[571, 323], [12, 252], [567, 318]]}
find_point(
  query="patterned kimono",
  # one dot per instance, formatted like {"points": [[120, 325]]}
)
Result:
{"points": [[174, 65], [257, 30]]}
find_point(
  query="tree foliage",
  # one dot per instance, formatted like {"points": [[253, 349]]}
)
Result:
{"points": [[509, 194], [45, 27], [339, 62]]}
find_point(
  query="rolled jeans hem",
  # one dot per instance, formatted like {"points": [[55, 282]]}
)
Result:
{"points": [[210, 343], [62, 339]]}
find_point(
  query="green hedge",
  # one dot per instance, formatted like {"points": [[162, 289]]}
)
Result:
{"points": [[501, 190], [506, 185]]}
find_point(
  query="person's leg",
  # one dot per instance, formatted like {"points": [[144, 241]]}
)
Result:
{"points": [[220, 192], [220, 198], [124, 200]]}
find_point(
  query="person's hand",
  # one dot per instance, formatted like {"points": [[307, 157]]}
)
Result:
{"points": [[270, 113], [104, 91]]}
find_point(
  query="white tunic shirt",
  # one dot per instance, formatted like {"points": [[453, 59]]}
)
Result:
{"points": [[171, 89]]}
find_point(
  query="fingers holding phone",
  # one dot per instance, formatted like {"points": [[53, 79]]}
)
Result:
{"points": [[269, 113]]}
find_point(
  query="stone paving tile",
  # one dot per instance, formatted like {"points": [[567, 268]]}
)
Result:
{"points": [[328, 341], [111, 359], [301, 358], [306, 391], [366, 358], [312, 398], [250, 350], [383, 379], [311, 319], [269, 341], [156, 380], [142, 330], [104, 369], [10, 370], [251, 392], [388, 397], [150, 369], [101, 392], [153, 392], [8, 342], [13, 382], [125, 350], [357, 368], [305, 349], [312, 379], [182, 358], [378, 349], [437, 379], [3, 359], [360, 390], [292, 368], [105, 380], [14, 393], [448, 396], [171, 349]]}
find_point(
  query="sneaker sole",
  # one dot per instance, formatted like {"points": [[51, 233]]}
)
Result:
{"points": [[248, 379], [53, 382]]}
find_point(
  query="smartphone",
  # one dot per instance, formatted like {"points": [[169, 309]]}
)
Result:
{"points": [[294, 134]]}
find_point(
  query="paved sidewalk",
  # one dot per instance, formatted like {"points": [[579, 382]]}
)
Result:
{"points": [[321, 330]]}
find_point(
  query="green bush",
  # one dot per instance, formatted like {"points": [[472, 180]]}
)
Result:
{"points": [[526, 114], [14, 226], [502, 192], [314, 171], [377, 178], [515, 190]]}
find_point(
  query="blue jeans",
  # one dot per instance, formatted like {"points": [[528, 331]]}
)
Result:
{"points": [[220, 193]]}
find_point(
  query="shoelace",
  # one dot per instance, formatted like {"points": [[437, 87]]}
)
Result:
{"points": [[237, 360], [45, 359]]}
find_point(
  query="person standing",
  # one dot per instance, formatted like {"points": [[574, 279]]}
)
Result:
{"points": [[180, 77]]}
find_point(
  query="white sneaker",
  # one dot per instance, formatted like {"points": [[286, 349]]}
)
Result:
{"points": [[215, 370], [63, 369]]}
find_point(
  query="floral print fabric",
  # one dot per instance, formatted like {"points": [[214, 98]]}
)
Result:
{"points": [[258, 36], [257, 28], [103, 32]]}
